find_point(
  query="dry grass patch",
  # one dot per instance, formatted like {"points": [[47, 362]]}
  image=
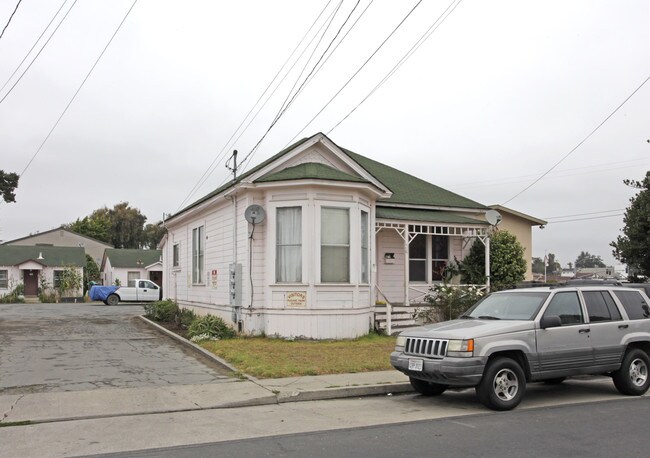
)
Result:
{"points": [[263, 357]]}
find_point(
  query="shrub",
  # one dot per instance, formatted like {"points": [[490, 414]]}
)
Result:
{"points": [[15, 296], [447, 302], [162, 311], [184, 318], [212, 326]]}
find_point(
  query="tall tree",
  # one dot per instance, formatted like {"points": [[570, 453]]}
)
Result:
{"points": [[633, 247], [8, 185], [538, 265], [587, 260], [98, 225], [153, 234], [507, 264], [552, 266], [127, 225]]}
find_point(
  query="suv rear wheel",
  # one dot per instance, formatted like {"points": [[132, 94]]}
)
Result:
{"points": [[503, 384], [427, 388], [632, 378]]}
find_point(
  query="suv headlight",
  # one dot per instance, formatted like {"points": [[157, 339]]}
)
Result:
{"points": [[401, 341], [460, 348]]}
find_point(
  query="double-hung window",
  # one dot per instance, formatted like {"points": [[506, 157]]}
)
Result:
{"points": [[288, 245], [428, 257], [365, 261], [131, 277], [4, 279], [176, 253], [56, 278], [198, 248], [335, 245]]}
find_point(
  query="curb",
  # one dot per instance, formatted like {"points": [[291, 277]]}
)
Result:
{"points": [[193, 346]]}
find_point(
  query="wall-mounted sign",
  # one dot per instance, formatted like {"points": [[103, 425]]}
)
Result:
{"points": [[297, 299], [213, 278]]}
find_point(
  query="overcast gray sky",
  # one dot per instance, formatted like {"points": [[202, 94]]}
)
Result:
{"points": [[500, 92]]}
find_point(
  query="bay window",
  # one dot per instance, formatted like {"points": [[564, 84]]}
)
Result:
{"points": [[288, 252], [335, 245], [364, 247]]}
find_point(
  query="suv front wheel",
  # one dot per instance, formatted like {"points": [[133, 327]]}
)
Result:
{"points": [[503, 384], [632, 378]]}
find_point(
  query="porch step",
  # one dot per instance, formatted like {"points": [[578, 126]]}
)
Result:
{"points": [[32, 300]]}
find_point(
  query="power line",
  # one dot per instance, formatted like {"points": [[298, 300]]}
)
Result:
{"points": [[438, 22], [579, 144], [10, 17], [34, 45], [219, 156], [585, 219], [78, 89], [585, 214], [38, 54], [358, 70], [289, 99]]}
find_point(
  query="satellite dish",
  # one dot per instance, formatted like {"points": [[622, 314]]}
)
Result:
{"points": [[493, 217], [254, 214]]}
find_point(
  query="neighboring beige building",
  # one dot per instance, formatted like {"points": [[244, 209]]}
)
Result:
{"points": [[64, 237], [520, 225]]}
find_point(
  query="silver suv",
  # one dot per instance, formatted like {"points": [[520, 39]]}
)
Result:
{"points": [[513, 337]]}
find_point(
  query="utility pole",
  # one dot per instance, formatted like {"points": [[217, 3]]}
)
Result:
{"points": [[233, 169]]}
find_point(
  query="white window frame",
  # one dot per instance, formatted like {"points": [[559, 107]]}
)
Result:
{"points": [[176, 255], [4, 279], [132, 276], [429, 260], [198, 255], [364, 274], [278, 246], [322, 245], [56, 273]]}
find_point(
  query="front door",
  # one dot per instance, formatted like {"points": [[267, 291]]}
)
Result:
{"points": [[156, 277], [31, 282]]}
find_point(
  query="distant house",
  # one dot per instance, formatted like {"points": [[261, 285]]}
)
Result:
{"points": [[124, 265], [520, 225], [34, 266], [64, 237], [341, 233]]}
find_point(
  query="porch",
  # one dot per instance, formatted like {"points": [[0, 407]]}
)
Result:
{"points": [[412, 254]]}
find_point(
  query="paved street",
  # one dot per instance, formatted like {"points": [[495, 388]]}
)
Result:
{"points": [[72, 347]]}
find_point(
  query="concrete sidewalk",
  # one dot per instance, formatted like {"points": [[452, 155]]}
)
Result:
{"points": [[101, 403]]}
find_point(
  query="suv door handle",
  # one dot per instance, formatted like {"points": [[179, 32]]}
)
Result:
{"points": [[584, 331], [623, 326]]}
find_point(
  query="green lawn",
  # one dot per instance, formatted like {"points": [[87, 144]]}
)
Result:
{"points": [[263, 357]]}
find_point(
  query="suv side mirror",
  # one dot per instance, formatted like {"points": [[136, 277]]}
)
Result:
{"points": [[552, 321]]}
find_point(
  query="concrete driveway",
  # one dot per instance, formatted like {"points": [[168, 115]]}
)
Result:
{"points": [[71, 347]]}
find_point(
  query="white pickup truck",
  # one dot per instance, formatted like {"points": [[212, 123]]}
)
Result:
{"points": [[139, 290]]}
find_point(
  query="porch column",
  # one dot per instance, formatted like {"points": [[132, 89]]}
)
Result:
{"points": [[406, 264]]}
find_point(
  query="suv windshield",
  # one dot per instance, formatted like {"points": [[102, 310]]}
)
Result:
{"points": [[508, 306]]}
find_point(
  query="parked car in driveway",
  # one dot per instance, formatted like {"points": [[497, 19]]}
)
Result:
{"points": [[513, 337], [139, 290]]}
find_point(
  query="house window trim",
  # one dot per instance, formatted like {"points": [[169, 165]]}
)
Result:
{"points": [[429, 260], [276, 245], [5, 281], [366, 258], [55, 273], [351, 243], [176, 256], [201, 268]]}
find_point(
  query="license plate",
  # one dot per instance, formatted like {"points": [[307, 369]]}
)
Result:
{"points": [[415, 364]]}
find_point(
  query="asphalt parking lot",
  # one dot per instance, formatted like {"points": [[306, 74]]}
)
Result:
{"points": [[71, 347]]}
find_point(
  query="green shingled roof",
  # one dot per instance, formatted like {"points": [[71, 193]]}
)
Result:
{"points": [[310, 170], [53, 256], [123, 257], [406, 188], [411, 214]]}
